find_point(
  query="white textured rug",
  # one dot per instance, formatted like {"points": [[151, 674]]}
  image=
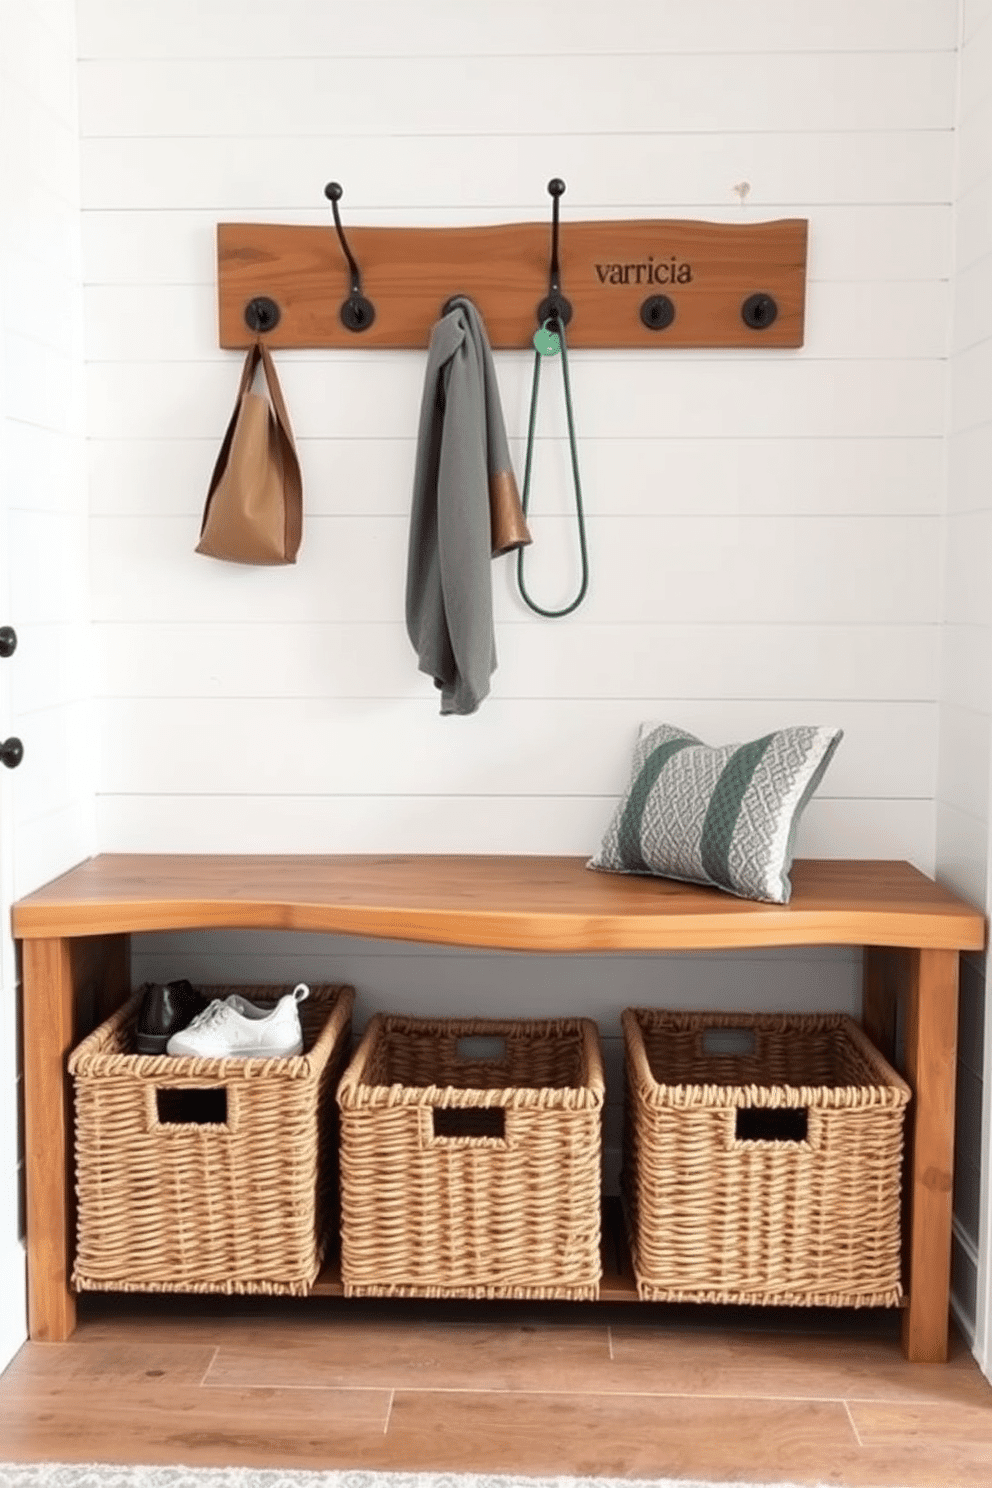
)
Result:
{"points": [[99, 1475]]}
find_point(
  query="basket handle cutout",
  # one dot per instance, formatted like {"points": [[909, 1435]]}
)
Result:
{"points": [[470, 1121], [482, 1046], [191, 1106], [772, 1124], [734, 1041]]}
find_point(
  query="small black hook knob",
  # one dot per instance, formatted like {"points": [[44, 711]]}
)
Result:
{"points": [[8, 640], [758, 311], [556, 186], [554, 307], [333, 191], [11, 753], [357, 313], [262, 314], [657, 312]]}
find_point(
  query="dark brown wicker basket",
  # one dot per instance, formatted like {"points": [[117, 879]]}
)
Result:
{"points": [[208, 1175], [468, 1170], [767, 1171]]}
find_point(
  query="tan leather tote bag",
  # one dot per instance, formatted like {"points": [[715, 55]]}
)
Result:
{"points": [[254, 507]]}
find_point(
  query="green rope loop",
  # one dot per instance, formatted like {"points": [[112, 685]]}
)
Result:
{"points": [[557, 325]]}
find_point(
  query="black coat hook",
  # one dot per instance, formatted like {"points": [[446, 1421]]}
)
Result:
{"points": [[554, 306], [357, 313]]}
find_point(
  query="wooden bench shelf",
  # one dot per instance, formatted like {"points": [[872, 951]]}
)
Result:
{"points": [[75, 947]]}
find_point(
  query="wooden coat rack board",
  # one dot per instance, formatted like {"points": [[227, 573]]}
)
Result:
{"points": [[711, 284]]}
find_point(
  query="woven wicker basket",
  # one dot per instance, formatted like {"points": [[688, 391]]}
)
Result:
{"points": [[762, 1160], [470, 1159], [208, 1175]]}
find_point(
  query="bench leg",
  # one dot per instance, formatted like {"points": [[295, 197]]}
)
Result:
{"points": [[67, 987], [926, 983], [931, 1060]]}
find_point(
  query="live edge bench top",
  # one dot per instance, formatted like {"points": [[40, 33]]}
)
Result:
{"points": [[506, 902]]}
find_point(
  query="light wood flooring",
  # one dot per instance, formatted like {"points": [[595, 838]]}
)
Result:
{"points": [[597, 1389]]}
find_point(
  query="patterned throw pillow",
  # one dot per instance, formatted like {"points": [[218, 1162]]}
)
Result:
{"points": [[725, 816]]}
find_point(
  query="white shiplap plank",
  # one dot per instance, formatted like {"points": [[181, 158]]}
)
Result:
{"points": [[42, 157], [45, 390], [48, 845], [969, 461], [175, 659], [846, 321], [665, 476], [972, 320], [246, 175], [39, 54], [861, 242], [977, 14], [963, 845], [971, 378], [378, 395], [396, 748], [968, 598], [975, 81], [322, 824], [44, 469], [48, 583], [44, 304], [52, 665], [974, 153], [217, 28], [682, 569], [965, 757], [58, 769], [973, 222], [602, 94], [965, 676]]}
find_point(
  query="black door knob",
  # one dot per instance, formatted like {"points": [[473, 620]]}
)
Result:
{"points": [[8, 640], [11, 753]]}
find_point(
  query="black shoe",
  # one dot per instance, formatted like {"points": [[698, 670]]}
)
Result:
{"points": [[165, 1008]]}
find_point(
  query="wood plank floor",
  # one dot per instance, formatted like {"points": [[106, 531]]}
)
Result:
{"points": [[598, 1389]]}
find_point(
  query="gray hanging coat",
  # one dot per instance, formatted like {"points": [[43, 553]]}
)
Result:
{"points": [[466, 510]]}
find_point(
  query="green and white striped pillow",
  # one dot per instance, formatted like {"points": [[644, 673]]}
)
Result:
{"points": [[725, 816]]}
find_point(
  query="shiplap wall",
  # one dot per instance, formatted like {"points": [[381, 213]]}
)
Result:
{"points": [[764, 528], [965, 760], [46, 805]]}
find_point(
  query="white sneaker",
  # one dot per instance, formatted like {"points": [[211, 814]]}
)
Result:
{"points": [[236, 1028]]}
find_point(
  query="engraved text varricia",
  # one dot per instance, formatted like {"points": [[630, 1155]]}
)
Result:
{"points": [[648, 271]]}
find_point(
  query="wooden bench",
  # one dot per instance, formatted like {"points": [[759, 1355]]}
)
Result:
{"points": [[75, 935]]}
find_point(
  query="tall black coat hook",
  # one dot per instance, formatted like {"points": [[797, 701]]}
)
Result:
{"points": [[554, 306], [553, 314], [357, 313]]}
